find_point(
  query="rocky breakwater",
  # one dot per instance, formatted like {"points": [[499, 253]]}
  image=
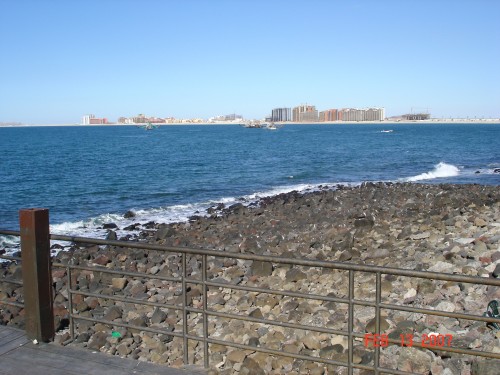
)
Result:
{"points": [[440, 228]]}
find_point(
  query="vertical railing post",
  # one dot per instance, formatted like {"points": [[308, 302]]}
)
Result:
{"points": [[184, 311], [350, 323], [70, 299], [37, 276], [205, 308], [378, 300]]}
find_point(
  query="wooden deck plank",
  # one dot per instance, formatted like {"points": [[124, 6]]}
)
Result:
{"points": [[11, 340], [12, 345], [7, 332], [18, 355], [9, 366], [81, 354], [50, 363]]}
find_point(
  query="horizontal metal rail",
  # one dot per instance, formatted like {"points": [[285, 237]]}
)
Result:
{"points": [[126, 273], [306, 358], [11, 303], [125, 325], [274, 259], [129, 300], [11, 281], [11, 258]]}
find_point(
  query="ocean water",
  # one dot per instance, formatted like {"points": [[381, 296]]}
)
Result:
{"points": [[88, 176]]}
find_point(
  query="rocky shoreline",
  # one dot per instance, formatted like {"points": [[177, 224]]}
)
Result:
{"points": [[440, 228]]}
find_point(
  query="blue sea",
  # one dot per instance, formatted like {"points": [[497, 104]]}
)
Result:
{"points": [[88, 176]]}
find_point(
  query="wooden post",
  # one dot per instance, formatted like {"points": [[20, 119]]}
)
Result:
{"points": [[37, 275]]}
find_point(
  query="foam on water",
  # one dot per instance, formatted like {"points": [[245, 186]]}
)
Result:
{"points": [[8, 241], [176, 213], [440, 170]]}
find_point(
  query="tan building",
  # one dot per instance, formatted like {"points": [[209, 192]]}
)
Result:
{"points": [[328, 115], [305, 113], [365, 114]]}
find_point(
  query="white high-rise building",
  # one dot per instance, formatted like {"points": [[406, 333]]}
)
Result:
{"points": [[86, 119]]}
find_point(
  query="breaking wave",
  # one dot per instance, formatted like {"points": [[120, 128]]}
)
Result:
{"points": [[440, 170]]}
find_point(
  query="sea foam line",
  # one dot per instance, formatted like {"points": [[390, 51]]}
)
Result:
{"points": [[440, 170], [181, 212]]}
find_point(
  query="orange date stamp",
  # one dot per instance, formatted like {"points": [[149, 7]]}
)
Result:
{"points": [[431, 340]]}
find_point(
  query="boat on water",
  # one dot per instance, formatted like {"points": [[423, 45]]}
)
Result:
{"points": [[255, 124], [148, 126], [273, 126], [387, 131]]}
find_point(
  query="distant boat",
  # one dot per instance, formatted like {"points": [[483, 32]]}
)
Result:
{"points": [[387, 131], [148, 126], [273, 126]]}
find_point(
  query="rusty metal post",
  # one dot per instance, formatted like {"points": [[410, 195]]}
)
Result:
{"points": [[37, 276]]}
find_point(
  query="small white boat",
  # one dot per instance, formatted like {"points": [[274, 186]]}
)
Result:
{"points": [[273, 126], [387, 131]]}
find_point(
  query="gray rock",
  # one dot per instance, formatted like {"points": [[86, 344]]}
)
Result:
{"points": [[311, 341], [158, 316], [378, 253], [251, 367], [114, 312], [295, 274], [253, 341], [129, 214], [330, 351], [257, 313], [345, 256], [123, 349], [496, 271], [414, 360], [82, 337], [441, 266], [478, 222], [384, 325], [236, 356], [119, 282], [485, 367], [98, 340], [164, 231], [480, 247], [261, 268], [420, 236], [363, 222], [139, 321], [111, 235], [495, 256]]}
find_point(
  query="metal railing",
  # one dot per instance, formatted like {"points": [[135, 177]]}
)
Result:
{"points": [[207, 284]]}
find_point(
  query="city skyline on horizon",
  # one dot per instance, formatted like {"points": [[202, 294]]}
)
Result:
{"points": [[198, 60], [113, 120]]}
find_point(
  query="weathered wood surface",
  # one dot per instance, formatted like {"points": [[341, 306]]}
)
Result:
{"points": [[19, 356]]}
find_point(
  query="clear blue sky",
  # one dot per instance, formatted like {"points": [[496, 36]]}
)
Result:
{"points": [[199, 58]]}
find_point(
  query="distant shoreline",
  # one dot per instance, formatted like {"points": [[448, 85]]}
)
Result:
{"points": [[388, 122]]}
